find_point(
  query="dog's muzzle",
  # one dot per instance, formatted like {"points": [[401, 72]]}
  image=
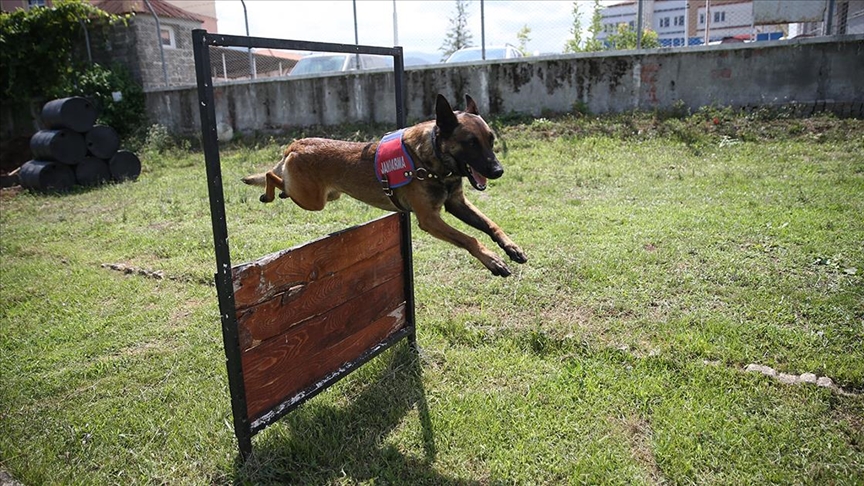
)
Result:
{"points": [[478, 180]]}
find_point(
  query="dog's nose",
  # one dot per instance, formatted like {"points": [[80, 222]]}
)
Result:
{"points": [[496, 172]]}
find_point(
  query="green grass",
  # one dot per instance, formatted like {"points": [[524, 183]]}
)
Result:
{"points": [[665, 254]]}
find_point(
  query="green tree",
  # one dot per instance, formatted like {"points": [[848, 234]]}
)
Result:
{"points": [[575, 44], [523, 37], [625, 38], [38, 46], [595, 44], [458, 36]]}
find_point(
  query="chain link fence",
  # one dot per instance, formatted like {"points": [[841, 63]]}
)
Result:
{"points": [[430, 31]]}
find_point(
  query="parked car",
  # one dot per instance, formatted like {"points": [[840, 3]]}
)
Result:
{"points": [[469, 54], [334, 63]]}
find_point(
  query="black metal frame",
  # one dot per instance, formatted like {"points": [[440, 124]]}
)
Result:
{"points": [[243, 429]]}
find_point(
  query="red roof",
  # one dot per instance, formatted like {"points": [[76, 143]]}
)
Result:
{"points": [[162, 9]]}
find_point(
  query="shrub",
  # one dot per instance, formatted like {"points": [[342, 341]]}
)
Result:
{"points": [[126, 112]]}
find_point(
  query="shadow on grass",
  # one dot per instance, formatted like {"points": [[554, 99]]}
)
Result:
{"points": [[321, 443]]}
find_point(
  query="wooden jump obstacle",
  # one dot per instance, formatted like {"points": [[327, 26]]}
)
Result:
{"points": [[297, 321]]}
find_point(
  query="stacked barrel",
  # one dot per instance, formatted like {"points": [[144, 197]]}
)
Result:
{"points": [[72, 149]]}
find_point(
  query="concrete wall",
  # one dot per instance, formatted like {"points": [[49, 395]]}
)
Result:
{"points": [[811, 73]]}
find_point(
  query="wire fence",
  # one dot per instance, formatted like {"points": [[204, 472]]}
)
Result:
{"points": [[430, 31], [495, 30]]}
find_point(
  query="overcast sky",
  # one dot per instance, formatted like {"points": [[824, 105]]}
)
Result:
{"points": [[422, 25]]}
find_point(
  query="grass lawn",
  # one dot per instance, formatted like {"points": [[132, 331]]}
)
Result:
{"points": [[665, 255]]}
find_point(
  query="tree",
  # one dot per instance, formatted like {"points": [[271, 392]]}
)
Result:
{"points": [[575, 44], [595, 44], [625, 38], [458, 36], [522, 37], [37, 48]]}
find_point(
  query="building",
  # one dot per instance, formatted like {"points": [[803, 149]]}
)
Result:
{"points": [[848, 18], [681, 23], [205, 10], [156, 46]]}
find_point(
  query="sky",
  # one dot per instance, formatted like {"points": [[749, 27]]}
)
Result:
{"points": [[422, 25]]}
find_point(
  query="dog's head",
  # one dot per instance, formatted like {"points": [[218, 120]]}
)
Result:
{"points": [[466, 142]]}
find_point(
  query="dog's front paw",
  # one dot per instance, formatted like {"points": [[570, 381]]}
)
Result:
{"points": [[515, 253], [498, 267], [264, 199], [282, 195]]}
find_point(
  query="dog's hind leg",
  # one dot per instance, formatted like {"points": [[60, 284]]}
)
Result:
{"points": [[272, 181]]}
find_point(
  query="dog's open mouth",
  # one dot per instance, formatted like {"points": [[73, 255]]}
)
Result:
{"points": [[477, 180]]}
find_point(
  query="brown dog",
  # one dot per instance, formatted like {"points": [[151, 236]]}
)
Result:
{"points": [[454, 145]]}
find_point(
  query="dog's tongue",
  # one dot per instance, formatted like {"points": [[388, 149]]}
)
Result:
{"points": [[477, 180]]}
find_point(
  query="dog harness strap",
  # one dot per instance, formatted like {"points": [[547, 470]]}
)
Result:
{"points": [[394, 166], [435, 148]]}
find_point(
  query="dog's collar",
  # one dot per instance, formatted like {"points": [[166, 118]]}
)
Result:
{"points": [[433, 135]]}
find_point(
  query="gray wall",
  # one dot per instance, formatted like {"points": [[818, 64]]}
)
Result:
{"points": [[814, 74]]}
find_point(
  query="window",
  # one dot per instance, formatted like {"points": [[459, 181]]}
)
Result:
{"points": [[167, 37], [679, 21], [719, 16], [702, 18], [664, 22], [35, 3]]}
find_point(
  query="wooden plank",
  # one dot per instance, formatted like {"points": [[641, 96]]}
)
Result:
{"points": [[304, 355], [263, 398], [268, 319], [277, 273]]}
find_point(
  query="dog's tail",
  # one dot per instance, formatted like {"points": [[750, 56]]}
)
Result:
{"points": [[256, 179]]}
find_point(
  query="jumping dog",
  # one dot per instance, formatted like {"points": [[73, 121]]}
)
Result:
{"points": [[421, 170]]}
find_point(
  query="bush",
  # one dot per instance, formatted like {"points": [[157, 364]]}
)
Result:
{"points": [[126, 114], [37, 48]]}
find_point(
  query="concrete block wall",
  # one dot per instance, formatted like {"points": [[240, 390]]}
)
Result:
{"points": [[179, 61], [823, 73]]}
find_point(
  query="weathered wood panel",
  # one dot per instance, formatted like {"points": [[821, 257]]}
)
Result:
{"points": [[278, 273], [271, 318], [303, 314], [306, 353]]}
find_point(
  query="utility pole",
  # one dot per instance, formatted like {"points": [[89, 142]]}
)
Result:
{"points": [[253, 72], [482, 31], [356, 35], [395, 26]]}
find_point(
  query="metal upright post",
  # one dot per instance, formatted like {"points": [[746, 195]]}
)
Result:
{"points": [[829, 20], [404, 217], [224, 284]]}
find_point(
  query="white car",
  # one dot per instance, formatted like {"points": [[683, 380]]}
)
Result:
{"points": [[334, 63], [469, 54]]}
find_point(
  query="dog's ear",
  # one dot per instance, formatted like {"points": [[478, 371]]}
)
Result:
{"points": [[444, 116], [470, 105]]}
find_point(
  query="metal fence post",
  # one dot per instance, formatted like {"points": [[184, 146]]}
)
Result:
{"points": [[159, 41]]}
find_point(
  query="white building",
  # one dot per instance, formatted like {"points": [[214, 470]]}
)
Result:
{"points": [[685, 22]]}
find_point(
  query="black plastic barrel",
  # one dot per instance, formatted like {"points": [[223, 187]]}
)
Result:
{"points": [[92, 171], [102, 141], [63, 145], [46, 176], [74, 113], [124, 165]]}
